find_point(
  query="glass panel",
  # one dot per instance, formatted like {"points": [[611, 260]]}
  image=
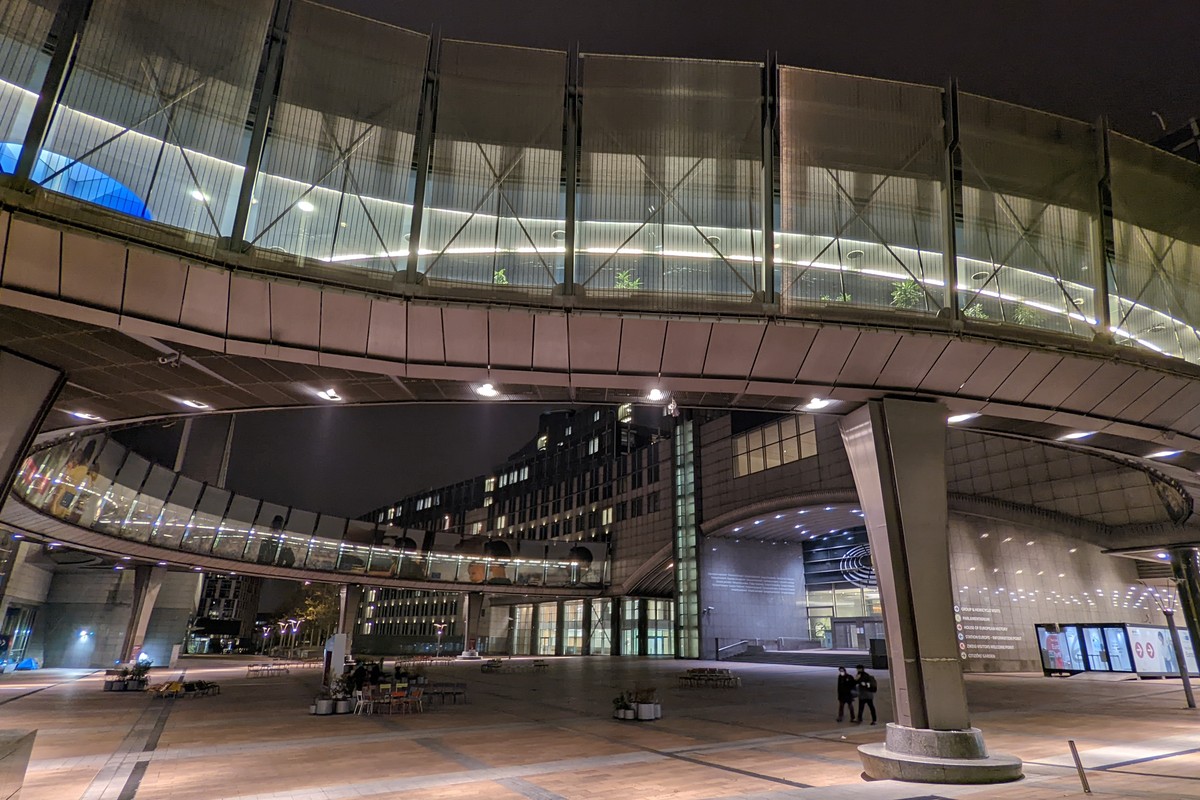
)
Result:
{"points": [[547, 632], [522, 630], [118, 500], [1029, 195], [860, 209], [1155, 278], [848, 603], [572, 627], [177, 513], [336, 179], [771, 456], [209, 513], [630, 612], [322, 554], [153, 116], [601, 633], [148, 505], [670, 181], [495, 209], [234, 529], [24, 26], [791, 450], [266, 537]]}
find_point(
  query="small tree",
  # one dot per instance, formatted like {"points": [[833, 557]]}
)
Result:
{"points": [[626, 279], [1023, 315], [975, 311], [841, 297], [907, 294], [499, 278]]}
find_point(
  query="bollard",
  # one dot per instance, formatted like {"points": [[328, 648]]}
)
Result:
{"points": [[1079, 766]]}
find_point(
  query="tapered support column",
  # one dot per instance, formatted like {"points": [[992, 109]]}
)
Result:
{"points": [[147, 581], [897, 452], [1185, 566], [27, 391], [472, 617], [349, 598]]}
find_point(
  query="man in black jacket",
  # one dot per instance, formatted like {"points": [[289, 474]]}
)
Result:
{"points": [[866, 688], [845, 690]]}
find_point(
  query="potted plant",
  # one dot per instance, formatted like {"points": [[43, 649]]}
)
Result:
{"points": [[620, 705], [323, 705], [340, 692], [627, 280], [646, 702], [907, 294], [138, 676], [120, 684]]}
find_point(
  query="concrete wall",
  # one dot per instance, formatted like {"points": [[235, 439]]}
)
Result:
{"points": [[99, 602], [1004, 585], [755, 591]]}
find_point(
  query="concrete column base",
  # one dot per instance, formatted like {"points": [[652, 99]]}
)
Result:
{"points": [[919, 755], [15, 749]]}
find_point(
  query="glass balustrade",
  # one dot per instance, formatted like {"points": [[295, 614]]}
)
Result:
{"points": [[96, 483]]}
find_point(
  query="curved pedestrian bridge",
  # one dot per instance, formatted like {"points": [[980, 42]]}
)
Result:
{"points": [[93, 492]]}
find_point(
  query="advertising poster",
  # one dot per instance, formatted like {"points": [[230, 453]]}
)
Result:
{"points": [[1061, 650], [1153, 653]]}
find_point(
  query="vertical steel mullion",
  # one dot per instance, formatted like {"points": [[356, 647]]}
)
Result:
{"points": [[952, 202], [1104, 247], [252, 526], [66, 32], [262, 112], [422, 152], [770, 177], [570, 166], [221, 524]]}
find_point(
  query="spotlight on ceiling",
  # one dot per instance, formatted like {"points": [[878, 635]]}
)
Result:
{"points": [[487, 390], [1164, 454], [957, 418], [329, 394], [1163, 556], [656, 395], [1073, 435], [305, 206], [195, 404], [198, 195], [817, 403], [85, 415]]}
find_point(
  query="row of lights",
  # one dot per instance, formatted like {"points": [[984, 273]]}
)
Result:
{"points": [[1068, 437]]}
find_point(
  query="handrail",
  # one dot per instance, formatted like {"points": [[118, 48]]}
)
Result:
{"points": [[96, 483]]}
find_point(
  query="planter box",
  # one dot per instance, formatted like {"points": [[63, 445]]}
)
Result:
{"points": [[343, 706], [645, 711], [324, 707]]}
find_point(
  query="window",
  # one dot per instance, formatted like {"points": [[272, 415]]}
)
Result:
{"points": [[774, 444], [625, 412], [652, 502], [542, 441], [636, 510]]}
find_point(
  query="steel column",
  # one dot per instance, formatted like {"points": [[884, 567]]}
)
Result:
{"points": [[570, 167], [423, 150], [262, 112], [65, 34], [1104, 246], [1185, 567], [952, 202], [770, 177]]}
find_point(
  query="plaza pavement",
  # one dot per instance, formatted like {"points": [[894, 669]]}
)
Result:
{"points": [[546, 736]]}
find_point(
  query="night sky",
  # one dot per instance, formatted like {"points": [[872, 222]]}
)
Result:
{"points": [[1074, 58]]}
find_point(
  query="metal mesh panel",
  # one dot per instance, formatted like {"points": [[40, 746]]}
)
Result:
{"points": [[24, 25], [1029, 200], [335, 181], [670, 181], [494, 206], [860, 215], [152, 121], [1155, 276]]}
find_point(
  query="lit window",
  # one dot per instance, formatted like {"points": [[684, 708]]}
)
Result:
{"points": [[542, 441], [625, 412]]}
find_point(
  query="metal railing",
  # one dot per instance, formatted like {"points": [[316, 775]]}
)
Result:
{"points": [[96, 483]]}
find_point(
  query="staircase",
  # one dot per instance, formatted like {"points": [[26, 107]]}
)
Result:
{"points": [[805, 658]]}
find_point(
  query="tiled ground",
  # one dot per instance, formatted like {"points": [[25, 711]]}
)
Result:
{"points": [[550, 736]]}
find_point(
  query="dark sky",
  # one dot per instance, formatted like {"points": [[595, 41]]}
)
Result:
{"points": [[1081, 59], [348, 461]]}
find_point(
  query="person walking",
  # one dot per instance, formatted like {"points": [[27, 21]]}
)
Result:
{"points": [[845, 691], [866, 687]]}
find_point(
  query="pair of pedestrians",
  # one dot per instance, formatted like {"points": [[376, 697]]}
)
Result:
{"points": [[861, 686]]}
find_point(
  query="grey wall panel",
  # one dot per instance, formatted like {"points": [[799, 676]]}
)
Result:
{"points": [[911, 361], [1032, 370], [249, 309], [550, 342], [685, 348], [828, 353], [955, 365], [154, 286], [642, 343], [205, 300], [387, 336], [93, 270], [466, 335], [1068, 376], [782, 352], [867, 358], [425, 342], [511, 337], [732, 349], [295, 315], [31, 258], [1103, 382], [595, 342], [994, 370], [345, 322]]}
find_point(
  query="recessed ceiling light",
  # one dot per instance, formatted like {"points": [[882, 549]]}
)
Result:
{"points": [[558, 235], [1164, 454], [656, 395], [1073, 435], [329, 394], [85, 415], [195, 404], [854, 255], [305, 206], [961, 418], [817, 403], [1163, 556], [486, 390], [198, 195]]}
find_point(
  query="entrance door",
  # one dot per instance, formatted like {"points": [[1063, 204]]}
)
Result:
{"points": [[848, 635]]}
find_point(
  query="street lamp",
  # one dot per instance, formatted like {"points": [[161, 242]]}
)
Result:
{"points": [[440, 629], [1166, 602]]}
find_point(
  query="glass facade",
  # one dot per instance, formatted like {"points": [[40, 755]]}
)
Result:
{"points": [[600, 635], [660, 628], [547, 629], [687, 568], [572, 628], [631, 617], [842, 597], [522, 630], [783, 441]]}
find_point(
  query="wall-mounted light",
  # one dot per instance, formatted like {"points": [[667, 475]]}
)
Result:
{"points": [[817, 403], [305, 206], [329, 394], [487, 390], [1164, 454], [1073, 435], [195, 404], [957, 418], [655, 395], [85, 415]]}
